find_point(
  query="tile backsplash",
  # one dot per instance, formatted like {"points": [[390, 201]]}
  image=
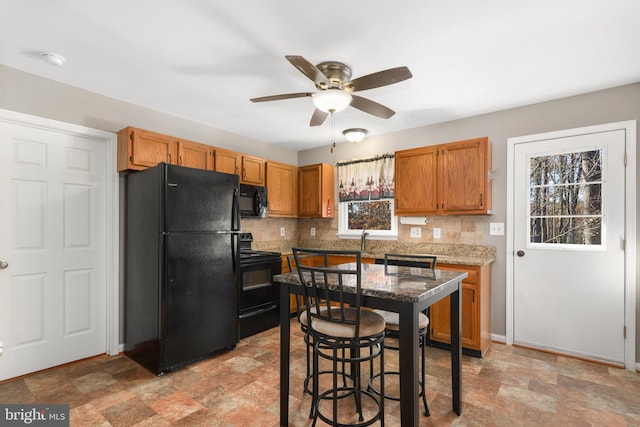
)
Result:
{"points": [[464, 230]]}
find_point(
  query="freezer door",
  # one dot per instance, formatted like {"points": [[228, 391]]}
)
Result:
{"points": [[200, 312], [199, 200]]}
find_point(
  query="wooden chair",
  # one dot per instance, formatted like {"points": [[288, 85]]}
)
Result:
{"points": [[341, 333], [393, 325]]}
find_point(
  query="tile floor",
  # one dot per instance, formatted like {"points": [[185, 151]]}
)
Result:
{"points": [[239, 388]]}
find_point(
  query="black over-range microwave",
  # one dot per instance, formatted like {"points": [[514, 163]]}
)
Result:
{"points": [[253, 201]]}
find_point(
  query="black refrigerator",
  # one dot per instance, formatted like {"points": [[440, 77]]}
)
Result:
{"points": [[181, 280]]}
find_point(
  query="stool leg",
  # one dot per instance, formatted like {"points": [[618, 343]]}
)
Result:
{"points": [[424, 382]]}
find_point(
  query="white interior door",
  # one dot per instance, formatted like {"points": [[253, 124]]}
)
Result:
{"points": [[568, 234], [53, 240]]}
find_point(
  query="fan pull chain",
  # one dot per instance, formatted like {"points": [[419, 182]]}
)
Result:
{"points": [[333, 131]]}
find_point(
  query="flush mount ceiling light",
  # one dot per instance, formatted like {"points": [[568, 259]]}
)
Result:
{"points": [[355, 134], [53, 59], [331, 100]]}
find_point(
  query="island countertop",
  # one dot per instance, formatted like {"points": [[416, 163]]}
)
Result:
{"points": [[410, 284]]}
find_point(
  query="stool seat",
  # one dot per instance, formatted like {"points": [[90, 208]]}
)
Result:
{"points": [[371, 323], [393, 320]]}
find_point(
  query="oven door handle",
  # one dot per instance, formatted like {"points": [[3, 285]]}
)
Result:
{"points": [[259, 311]]}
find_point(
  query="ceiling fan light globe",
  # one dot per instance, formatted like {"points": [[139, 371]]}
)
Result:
{"points": [[331, 100], [355, 134]]}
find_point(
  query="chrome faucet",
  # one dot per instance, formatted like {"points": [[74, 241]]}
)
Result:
{"points": [[363, 240]]}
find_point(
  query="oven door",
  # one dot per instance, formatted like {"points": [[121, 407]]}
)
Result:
{"points": [[258, 297]]}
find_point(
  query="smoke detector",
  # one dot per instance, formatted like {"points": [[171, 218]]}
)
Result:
{"points": [[53, 59]]}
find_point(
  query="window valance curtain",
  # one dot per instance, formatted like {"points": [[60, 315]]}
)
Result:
{"points": [[366, 179]]}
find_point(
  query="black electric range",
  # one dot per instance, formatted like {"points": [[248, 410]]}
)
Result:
{"points": [[258, 296]]}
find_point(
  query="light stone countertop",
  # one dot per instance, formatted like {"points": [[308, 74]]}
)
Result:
{"points": [[445, 253]]}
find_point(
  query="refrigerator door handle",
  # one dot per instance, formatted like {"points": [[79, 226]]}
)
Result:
{"points": [[235, 221]]}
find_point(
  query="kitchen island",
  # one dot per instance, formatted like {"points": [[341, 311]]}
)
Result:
{"points": [[406, 291]]}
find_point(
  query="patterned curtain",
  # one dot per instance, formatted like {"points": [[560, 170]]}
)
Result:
{"points": [[366, 179]]}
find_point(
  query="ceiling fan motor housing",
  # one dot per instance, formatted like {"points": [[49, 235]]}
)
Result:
{"points": [[337, 73]]}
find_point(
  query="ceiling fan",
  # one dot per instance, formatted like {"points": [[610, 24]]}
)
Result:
{"points": [[335, 87]]}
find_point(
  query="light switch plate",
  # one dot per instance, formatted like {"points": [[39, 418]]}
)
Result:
{"points": [[282, 231], [436, 233], [496, 228], [313, 231], [416, 232]]}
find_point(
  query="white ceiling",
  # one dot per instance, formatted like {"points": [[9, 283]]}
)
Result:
{"points": [[204, 59]]}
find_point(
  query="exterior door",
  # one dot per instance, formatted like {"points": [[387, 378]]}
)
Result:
{"points": [[53, 240], [568, 242]]}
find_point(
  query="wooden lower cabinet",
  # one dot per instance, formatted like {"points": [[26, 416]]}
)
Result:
{"points": [[476, 311]]}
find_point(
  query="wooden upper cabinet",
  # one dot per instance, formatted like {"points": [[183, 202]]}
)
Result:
{"points": [[282, 190], [227, 161], [444, 179], [140, 149], [465, 177], [195, 155], [416, 181], [253, 171], [316, 190]]}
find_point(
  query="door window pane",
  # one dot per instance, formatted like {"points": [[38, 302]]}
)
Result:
{"points": [[565, 198]]}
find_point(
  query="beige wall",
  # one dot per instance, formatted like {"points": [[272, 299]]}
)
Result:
{"points": [[30, 94], [612, 105]]}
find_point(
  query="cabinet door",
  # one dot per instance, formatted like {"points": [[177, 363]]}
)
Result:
{"points": [[252, 171], [195, 155], [416, 181], [282, 189], [227, 161], [316, 191], [140, 149], [464, 176], [439, 319]]}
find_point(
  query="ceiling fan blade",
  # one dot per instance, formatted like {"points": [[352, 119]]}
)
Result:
{"points": [[371, 107], [283, 96], [381, 78], [309, 70], [318, 117]]}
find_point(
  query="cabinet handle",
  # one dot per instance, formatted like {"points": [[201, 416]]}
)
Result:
{"points": [[180, 160], [169, 156], [244, 173], [480, 199], [473, 296]]}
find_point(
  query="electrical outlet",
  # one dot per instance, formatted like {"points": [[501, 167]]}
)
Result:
{"points": [[282, 231], [436, 233], [313, 231], [416, 232], [496, 229]]}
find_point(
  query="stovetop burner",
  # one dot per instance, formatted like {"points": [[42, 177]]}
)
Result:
{"points": [[247, 253]]}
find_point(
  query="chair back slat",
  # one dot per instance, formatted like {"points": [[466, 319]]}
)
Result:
{"points": [[410, 260]]}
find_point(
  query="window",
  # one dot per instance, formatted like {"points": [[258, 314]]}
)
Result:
{"points": [[565, 200], [366, 198]]}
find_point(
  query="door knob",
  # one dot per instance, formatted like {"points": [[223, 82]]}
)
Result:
{"points": [[3, 264], [520, 253]]}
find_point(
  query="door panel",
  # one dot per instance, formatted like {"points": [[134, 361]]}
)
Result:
{"points": [[569, 291], [53, 228]]}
